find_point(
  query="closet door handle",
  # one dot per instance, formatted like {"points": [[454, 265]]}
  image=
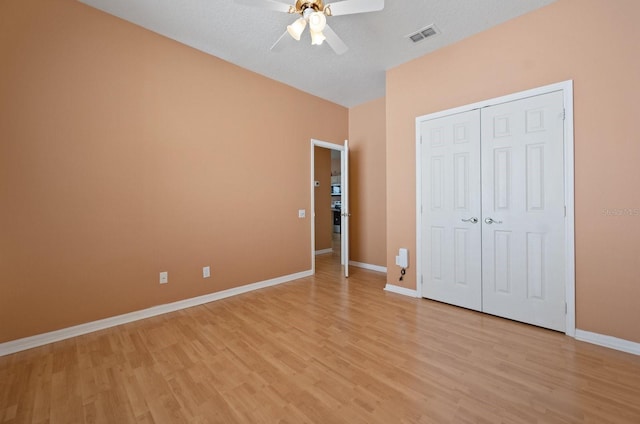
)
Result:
{"points": [[472, 220], [491, 221]]}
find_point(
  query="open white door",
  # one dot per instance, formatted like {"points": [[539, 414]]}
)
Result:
{"points": [[344, 239]]}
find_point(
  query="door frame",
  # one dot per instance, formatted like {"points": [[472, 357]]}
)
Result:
{"points": [[344, 193], [570, 280]]}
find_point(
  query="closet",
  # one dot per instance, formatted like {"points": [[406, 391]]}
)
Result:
{"points": [[491, 187]]}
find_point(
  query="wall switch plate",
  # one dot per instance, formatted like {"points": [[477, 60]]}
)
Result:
{"points": [[164, 277], [206, 272], [302, 213]]}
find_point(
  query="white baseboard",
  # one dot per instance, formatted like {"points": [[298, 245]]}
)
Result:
{"points": [[323, 251], [369, 266], [14, 346], [608, 341], [401, 290], [78, 330]]}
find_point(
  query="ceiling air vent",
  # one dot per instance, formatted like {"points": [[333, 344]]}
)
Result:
{"points": [[425, 32]]}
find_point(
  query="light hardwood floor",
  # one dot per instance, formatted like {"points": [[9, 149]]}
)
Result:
{"points": [[321, 350]]}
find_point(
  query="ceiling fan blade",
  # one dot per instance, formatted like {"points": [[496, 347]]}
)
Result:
{"points": [[348, 7], [334, 41], [276, 5], [280, 44]]}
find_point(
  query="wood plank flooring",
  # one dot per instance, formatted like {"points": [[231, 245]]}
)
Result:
{"points": [[321, 350]]}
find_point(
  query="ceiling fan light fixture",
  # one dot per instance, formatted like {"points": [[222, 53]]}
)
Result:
{"points": [[296, 28], [317, 22], [314, 13], [317, 38]]}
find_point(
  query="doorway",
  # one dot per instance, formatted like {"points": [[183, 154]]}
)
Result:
{"points": [[329, 202], [495, 207]]}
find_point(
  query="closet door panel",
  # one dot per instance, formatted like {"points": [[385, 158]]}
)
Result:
{"points": [[451, 229], [523, 210]]}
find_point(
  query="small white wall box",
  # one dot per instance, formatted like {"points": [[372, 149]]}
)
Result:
{"points": [[402, 260]]}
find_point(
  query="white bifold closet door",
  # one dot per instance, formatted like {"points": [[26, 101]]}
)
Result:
{"points": [[493, 210], [523, 249], [451, 209]]}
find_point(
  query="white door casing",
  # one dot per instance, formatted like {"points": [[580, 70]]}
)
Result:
{"points": [[451, 231], [523, 211], [344, 167]]}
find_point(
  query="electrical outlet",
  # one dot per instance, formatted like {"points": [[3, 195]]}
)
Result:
{"points": [[206, 272], [164, 277]]}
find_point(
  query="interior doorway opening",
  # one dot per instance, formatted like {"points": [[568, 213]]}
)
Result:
{"points": [[329, 203]]}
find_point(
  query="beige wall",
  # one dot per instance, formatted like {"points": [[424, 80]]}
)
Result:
{"points": [[324, 216], [593, 42], [367, 152], [123, 154]]}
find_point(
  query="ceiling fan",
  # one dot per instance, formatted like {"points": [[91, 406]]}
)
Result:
{"points": [[315, 12]]}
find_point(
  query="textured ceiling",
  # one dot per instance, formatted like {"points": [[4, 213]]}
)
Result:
{"points": [[377, 41]]}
